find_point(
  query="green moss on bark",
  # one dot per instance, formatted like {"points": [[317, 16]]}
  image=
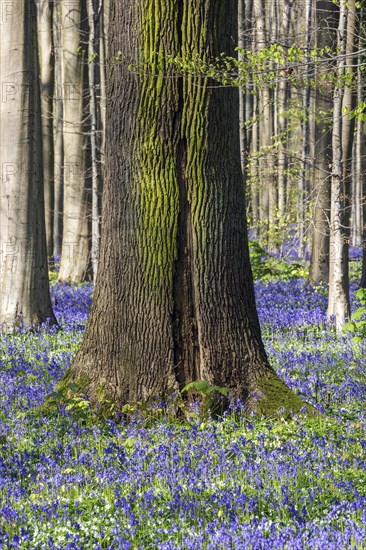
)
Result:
{"points": [[276, 399]]}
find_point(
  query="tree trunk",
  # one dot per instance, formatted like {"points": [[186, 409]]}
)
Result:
{"points": [[338, 299], [254, 179], [359, 164], [47, 86], [174, 299], [304, 176], [283, 13], [363, 274], [265, 103], [242, 93], [326, 24], [24, 288], [359, 146], [58, 134], [94, 80], [76, 213]]}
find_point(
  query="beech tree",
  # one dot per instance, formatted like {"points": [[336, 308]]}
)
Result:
{"points": [[326, 37], [174, 299], [44, 25], [24, 287], [58, 147], [342, 143], [76, 210]]}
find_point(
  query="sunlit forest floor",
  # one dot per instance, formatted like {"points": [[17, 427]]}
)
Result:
{"points": [[69, 481]]}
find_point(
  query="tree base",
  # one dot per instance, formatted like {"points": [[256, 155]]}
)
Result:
{"points": [[271, 399]]}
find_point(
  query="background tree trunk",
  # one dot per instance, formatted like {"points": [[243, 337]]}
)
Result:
{"points": [[24, 288], [94, 13], [174, 300], [326, 25], [306, 133], [283, 9], [363, 274], [76, 212], [338, 298], [359, 166], [58, 134], [268, 197], [46, 56]]}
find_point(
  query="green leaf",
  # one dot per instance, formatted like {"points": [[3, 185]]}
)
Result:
{"points": [[205, 388], [129, 444], [357, 316], [349, 327], [198, 385]]}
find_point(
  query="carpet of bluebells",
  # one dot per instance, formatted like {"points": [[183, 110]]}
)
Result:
{"points": [[67, 482]]}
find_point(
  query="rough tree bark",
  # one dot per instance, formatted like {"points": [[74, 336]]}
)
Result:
{"points": [[24, 288], [174, 300]]}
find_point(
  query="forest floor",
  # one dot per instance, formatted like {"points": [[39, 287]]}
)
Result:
{"points": [[70, 482]]}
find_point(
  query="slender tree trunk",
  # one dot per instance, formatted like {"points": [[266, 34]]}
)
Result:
{"points": [[284, 28], [363, 274], [255, 189], [265, 103], [248, 45], [103, 53], [312, 149], [93, 11], [360, 150], [47, 86], [24, 288], [348, 122], [326, 24], [242, 129], [338, 300], [281, 160], [76, 212], [304, 177], [103, 23], [296, 29], [58, 134], [359, 174], [251, 113], [174, 299], [362, 283]]}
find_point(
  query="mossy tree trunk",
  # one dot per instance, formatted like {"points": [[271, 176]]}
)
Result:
{"points": [[174, 298]]}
